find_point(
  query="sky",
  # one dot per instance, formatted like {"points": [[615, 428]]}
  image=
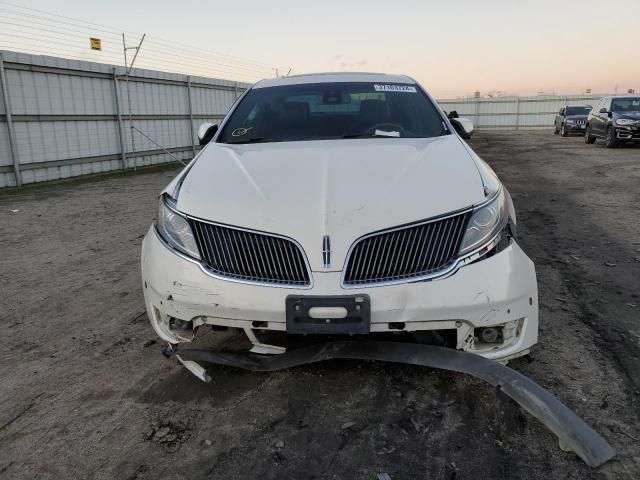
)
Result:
{"points": [[453, 48]]}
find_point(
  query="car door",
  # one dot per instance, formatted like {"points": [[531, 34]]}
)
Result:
{"points": [[601, 118], [594, 118]]}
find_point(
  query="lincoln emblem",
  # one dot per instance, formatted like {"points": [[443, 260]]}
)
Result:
{"points": [[326, 251]]}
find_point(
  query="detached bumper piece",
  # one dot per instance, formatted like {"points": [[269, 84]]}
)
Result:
{"points": [[572, 432]]}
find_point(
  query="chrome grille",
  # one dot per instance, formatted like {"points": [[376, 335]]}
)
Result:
{"points": [[406, 253], [251, 256]]}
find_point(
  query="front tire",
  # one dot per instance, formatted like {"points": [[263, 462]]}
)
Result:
{"points": [[563, 131], [611, 140], [555, 129], [588, 138]]}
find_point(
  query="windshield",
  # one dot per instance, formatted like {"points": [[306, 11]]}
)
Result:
{"points": [[578, 110], [332, 110], [629, 104]]}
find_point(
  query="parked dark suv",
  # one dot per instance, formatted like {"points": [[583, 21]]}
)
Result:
{"points": [[571, 119], [616, 119]]}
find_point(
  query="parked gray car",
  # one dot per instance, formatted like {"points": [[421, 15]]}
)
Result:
{"points": [[571, 119], [616, 119]]}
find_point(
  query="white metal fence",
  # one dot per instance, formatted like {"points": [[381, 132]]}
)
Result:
{"points": [[62, 118], [513, 113]]}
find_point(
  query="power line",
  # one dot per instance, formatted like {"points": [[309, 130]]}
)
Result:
{"points": [[33, 42], [159, 42], [176, 49]]}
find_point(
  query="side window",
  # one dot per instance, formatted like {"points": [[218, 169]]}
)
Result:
{"points": [[561, 112]]}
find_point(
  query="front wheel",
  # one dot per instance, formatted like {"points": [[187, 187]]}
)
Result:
{"points": [[555, 129], [563, 131], [611, 139], [588, 138]]}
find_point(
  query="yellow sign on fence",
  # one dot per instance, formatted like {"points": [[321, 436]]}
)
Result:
{"points": [[95, 43]]}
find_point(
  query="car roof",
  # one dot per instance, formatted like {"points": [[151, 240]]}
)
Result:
{"points": [[334, 77]]}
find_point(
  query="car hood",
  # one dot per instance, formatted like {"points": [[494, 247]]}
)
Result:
{"points": [[627, 115], [341, 188]]}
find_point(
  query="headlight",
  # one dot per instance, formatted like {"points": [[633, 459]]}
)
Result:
{"points": [[625, 121], [571, 121], [175, 229], [486, 221]]}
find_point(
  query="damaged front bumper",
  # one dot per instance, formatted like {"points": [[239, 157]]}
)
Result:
{"points": [[498, 293], [572, 432]]}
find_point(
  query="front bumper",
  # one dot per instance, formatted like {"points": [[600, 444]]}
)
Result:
{"points": [[497, 291], [574, 127], [572, 432], [628, 133]]}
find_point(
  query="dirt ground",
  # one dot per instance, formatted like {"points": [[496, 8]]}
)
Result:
{"points": [[85, 393]]}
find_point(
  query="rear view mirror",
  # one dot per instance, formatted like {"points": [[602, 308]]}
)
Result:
{"points": [[206, 131], [464, 126], [453, 114], [603, 110]]}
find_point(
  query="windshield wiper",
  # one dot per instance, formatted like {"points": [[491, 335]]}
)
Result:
{"points": [[377, 134], [251, 140]]}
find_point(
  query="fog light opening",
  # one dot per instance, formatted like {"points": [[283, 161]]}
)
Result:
{"points": [[176, 324], [489, 334]]}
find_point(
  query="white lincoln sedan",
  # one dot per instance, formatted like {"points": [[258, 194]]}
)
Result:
{"points": [[340, 204]]}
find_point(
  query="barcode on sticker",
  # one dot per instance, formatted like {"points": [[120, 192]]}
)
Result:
{"points": [[395, 88]]}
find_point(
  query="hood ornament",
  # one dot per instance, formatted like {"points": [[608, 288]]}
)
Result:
{"points": [[326, 251]]}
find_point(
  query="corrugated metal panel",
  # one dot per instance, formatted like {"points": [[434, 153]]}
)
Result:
{"points": [[508, 113], [210, 101], [55, 88], [5, 153], [47, 141]]}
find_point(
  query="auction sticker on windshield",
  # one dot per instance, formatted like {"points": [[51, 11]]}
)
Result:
{"points": [[395, 88]]}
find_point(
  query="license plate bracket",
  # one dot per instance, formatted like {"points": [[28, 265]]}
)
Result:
{"points": [[357, 320]]}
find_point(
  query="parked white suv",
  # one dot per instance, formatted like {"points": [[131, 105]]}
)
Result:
{"points": [[340, 204]]}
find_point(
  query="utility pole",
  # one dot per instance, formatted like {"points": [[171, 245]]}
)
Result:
{"points": [[128, 70]]}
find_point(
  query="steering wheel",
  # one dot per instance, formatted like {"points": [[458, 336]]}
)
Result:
{"points": [[390, 126]]}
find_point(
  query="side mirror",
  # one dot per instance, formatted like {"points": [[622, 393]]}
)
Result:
{"points": [[206, 131], [603, 110], [453, 114], [464, 126]]}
